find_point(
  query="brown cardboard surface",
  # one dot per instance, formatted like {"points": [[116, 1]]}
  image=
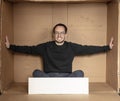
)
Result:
{"points": [[86, 24], [60, 0], [98, 92], [119, 50], [6, 57], [0, 43], [112, 57]]}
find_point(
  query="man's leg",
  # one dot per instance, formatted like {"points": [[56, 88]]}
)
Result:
{"points": [[77, 73], [58, 74], [39, 73]]}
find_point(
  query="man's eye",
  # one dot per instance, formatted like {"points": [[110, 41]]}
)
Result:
{"points": [[59, 32]]}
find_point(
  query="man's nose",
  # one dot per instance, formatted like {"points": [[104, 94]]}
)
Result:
{"points": [[59, 34]]}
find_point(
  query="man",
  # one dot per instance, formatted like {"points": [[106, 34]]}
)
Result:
{"points": [[58, 54]]}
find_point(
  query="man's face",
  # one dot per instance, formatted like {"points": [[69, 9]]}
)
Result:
{"points": [[59, 34]]}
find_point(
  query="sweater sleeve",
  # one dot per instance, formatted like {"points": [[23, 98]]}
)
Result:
{"points": [[33, 50], [87, 50]]}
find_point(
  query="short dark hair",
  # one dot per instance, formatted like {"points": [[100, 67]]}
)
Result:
{"points": [[60, 24]]}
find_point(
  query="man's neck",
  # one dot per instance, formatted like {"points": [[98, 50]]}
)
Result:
{"points": [[59, 44]]}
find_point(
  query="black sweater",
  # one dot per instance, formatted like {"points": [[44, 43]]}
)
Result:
{"points": [[59, 58]]}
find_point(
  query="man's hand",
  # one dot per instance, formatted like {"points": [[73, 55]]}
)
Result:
{"points": [[7, 44], [111, 43]]}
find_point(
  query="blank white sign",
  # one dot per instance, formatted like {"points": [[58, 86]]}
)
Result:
{"points": [[57, 85]]}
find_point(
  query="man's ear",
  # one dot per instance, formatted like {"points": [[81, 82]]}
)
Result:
{"points": [[66, 35]]}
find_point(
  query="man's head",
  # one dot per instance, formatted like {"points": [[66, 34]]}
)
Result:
{"points": [[62, 25], [59, 33]]}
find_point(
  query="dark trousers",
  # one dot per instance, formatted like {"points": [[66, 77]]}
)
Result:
{"points": [[39, 73]]}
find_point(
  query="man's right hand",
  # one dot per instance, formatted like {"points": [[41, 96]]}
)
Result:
{"points": [[7, 44]]}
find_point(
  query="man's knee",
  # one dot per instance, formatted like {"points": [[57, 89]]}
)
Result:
{"points": [[79, 73], [36, 73]]}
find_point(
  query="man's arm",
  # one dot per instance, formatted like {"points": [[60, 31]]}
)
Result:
{"points": [[34, 50], [86, 50]]}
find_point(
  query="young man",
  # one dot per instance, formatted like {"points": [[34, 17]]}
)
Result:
{"points": [[58, 54]]}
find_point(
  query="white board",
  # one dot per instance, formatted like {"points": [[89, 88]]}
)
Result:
{"points": [[73, 85]]}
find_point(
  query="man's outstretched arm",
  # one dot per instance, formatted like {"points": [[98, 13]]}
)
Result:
{"points": [[33, 50]]}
